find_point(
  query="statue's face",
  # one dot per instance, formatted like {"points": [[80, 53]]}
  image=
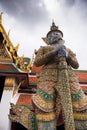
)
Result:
{"points": [[53, 37]]}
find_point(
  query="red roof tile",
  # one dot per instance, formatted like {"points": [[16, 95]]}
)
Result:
{"points": [[36, 69], [5, 67], [84, 87], [82, 76], [33, 79], [24, 100]]}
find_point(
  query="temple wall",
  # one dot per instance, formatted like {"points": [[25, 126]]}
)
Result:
{"points": [[4, 110]]}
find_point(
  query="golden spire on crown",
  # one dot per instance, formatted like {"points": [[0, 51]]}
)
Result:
{"points": [[53, 27]]}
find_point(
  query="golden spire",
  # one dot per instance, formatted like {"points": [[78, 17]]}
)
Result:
{"points": [[53, 27], [1, 17], [16, 48], [9, 33]]}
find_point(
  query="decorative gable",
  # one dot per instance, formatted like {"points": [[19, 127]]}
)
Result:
{"points": [[5, 56], [8, 53]]}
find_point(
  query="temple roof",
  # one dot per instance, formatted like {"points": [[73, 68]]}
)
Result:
{"points": [[10, 70], [8, 53], [8, 67], [82, 75], [25, 100], [4, 46]]}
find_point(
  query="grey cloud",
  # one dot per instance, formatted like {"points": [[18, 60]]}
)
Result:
{"points": [[80, 6], [31, 11], [71, 3], [68, 3]]}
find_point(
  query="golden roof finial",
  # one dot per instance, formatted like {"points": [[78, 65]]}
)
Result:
{"points": [[9, 33], [1, 17], [16, 48]]}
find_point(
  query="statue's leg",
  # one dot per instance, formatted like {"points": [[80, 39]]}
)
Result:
{"points": [[45, 120]]}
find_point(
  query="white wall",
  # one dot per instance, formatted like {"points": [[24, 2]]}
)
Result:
{"points": [[4, 110]]}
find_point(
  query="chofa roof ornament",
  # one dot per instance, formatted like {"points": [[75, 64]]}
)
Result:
{"points": [[1, 17]]}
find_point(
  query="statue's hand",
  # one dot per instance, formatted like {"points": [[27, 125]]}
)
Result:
{"points": [[62, 52], [58, 47]]}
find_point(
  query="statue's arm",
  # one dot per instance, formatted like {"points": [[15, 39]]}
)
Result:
{"points": [[72, 60], [42, 58]]}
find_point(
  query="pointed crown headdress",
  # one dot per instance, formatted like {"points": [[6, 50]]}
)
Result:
{"points": [[54, 28]]}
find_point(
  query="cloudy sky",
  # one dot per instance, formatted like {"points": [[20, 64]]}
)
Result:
{"points": [[30, 20]]}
